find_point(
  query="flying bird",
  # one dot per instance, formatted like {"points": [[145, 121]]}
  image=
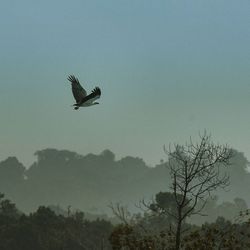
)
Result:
{"points": [[80, 94]]}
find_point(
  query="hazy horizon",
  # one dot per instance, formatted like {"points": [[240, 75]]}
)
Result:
{"points": [[167, 70]]}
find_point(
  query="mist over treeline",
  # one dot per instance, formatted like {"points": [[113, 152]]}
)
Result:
{"points": [[91, 182]]}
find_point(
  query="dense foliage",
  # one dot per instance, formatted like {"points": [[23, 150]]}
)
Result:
{"points": [[221, 235], [45, 230]]}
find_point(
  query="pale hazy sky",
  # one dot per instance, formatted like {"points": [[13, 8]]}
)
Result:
{"points": [[167, 69]]}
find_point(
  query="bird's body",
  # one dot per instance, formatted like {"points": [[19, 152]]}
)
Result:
{"points": [[80, 94]]}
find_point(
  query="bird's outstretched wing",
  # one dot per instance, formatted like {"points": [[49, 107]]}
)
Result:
{"points": [[95, 94], [78, 91]]}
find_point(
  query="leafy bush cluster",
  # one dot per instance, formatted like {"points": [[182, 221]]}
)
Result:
{"points": [[221, 235]]}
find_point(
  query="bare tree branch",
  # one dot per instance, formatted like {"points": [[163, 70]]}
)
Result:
{"points": [[195, 169], [120, 212]]}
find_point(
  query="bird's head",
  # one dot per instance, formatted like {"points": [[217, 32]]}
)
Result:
{"points": [[96, 103]]}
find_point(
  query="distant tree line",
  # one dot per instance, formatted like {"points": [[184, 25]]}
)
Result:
{"points": [[89, 182]]}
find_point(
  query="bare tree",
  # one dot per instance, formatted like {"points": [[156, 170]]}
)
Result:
{"points": [[121, 213], [196, 171]]}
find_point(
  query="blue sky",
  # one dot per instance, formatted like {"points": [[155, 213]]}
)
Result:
{"points": [[167, 70]]}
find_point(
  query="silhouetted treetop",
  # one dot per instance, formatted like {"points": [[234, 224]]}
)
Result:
{"points": [[11, 167], [130, 161], [54, 155], [108, 155]]}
